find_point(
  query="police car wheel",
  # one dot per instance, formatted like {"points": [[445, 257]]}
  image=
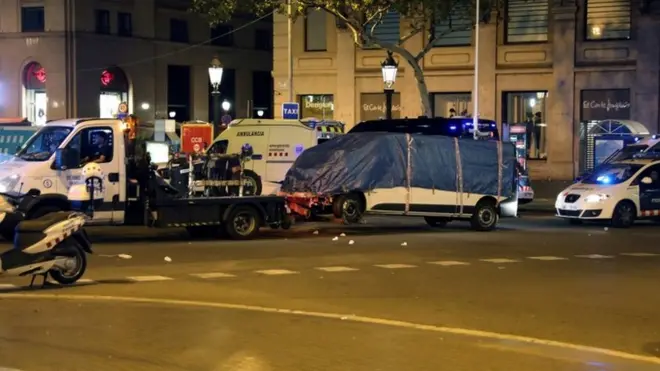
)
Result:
{"points": [[624, 215]]}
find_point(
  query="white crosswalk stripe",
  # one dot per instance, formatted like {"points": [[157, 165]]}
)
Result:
{"points": [[500, 260], [86, 281], [276, 272], [149, 278], [639, 254], [595, 256], [212, 275], [448, 263], [337, 269], [395, 266], [546, 258], [7, 286]]}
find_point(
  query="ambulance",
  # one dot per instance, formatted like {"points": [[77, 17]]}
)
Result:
{"points": [[276, 144]]}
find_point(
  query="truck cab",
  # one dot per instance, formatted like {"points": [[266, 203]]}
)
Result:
{"points": [[34, 166]]}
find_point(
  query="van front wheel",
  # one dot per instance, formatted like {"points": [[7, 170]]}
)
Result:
{"points": [[485, 216]]}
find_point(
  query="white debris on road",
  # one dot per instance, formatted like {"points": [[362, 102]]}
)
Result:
{"points": [[168, 259], [336, 238], [342, 235], [351, 242], [404, 244], [316, 232]]}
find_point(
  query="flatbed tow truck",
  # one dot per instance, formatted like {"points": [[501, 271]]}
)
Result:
{"points": [[38, 179]]}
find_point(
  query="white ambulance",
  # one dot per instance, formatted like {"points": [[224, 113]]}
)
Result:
{"points": [[620, 192], [276, 145]]}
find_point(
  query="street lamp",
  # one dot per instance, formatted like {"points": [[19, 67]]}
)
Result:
{"points": [[226, 106], [215, 76], [389, 68]]}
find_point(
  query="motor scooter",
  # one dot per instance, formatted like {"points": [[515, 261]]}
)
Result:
{"points": [[55, 244]]}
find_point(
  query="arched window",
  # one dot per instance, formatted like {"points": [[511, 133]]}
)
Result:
{"points": [[35, 99], [114, 91]]}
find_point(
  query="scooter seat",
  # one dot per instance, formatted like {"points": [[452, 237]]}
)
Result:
{"points": [[42, 223]]}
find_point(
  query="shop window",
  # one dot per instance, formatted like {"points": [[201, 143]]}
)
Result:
{"points": [[452, 104], [455, 29], [320, 106], [527, 21], [125, 24], [114, 90], [608, 19], [102, 22], [528, 110], [35, 99], [222, 35], [178, 30], [33, 19], [373, 106], [93, 145], [315, 31]]}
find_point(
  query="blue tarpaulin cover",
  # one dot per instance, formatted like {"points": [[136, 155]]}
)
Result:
{"points": [[366, 161]]}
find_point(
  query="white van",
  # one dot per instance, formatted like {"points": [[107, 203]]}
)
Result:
{"points": [[276, 145]]}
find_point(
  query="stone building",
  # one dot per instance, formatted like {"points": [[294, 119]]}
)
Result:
{"points": [[81, 58], [550, 65]]}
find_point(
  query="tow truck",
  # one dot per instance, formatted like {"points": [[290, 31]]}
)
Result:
{"points": [[51, 161]]}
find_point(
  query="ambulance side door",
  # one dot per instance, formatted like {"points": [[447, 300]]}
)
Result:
{"points": [[280, 153]]}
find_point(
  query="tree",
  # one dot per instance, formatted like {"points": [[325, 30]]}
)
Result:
{"points": [[362, 18]]}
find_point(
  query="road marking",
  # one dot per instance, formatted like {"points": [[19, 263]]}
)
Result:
{"points": [[276, 272], [86, 281], [640, 254], [212, 275], [148, 278], [500, 260], [395, 266], [448, 263], [352, 318], [337, 269], [595, 256], [7, 286], [546, 258]]}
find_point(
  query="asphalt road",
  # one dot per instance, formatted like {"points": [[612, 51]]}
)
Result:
{"points": [[535, 295]]}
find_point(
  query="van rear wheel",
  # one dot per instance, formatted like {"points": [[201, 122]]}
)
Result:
{"points": [[485, 216]]}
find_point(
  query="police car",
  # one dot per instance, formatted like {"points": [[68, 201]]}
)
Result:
{"points": [[620, 192]]}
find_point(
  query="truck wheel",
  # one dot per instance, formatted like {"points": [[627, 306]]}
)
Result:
{"points": [[253, 186], [624, 215], [435, 221], [485, 216], [243, 223], [43, 210], [351, 207]]}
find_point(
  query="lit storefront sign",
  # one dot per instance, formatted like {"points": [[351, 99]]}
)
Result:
{"points": [[372, 106]]}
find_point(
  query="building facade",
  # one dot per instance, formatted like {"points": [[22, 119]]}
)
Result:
{"points": [[82, 58], [552, 66]]}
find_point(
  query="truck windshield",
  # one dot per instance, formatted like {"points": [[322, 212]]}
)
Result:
{"points": [[612, 174], [42, 145]]}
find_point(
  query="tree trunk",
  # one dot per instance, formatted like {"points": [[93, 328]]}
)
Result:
{"points": [[425, 98]]}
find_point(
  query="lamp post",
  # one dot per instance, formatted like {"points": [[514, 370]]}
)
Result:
{"points": [[389, 68], [215, 76]]}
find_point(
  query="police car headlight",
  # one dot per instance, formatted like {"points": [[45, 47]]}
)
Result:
{"points": [[7, 184], [596, 198]]}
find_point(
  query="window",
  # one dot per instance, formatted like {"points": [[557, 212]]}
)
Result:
{"points": [[315, 31], [652, 172], [178, 30], [222, 35], [528, 110], [33, 19], [219, 147], [125, 24], [389, 30], [42, 145], [263, 40], [526, 21], [454, 30], [320, 106], [608, 19], [102, 22], [452, 104], [93, 145]]}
